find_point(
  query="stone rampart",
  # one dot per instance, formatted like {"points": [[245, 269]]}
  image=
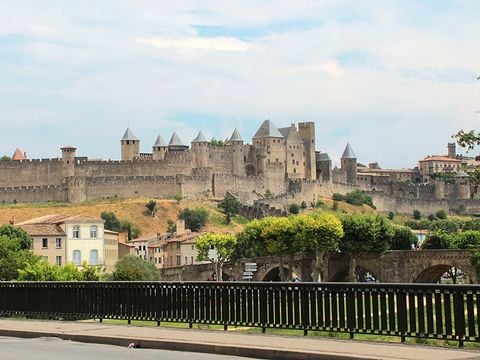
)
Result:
{"points": [[31, 172], [29, 194]]}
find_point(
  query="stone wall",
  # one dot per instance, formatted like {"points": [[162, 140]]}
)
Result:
{"points": [[31, 172], [27, 194]]}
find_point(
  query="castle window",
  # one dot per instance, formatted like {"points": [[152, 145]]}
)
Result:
{"points": [[179, 260], [297, 162], [44, 243], [76, 232], [276, 160], [293, 161], [294, 171], [293, 155], [58, 243], [58, 260]]}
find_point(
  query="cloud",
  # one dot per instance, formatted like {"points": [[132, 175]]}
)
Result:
{"points": [[197, 43]]}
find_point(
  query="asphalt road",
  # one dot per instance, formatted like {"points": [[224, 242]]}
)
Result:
{"points": [[57, 349]]}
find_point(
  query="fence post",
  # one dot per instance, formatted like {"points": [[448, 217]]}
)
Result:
{"points": [[459, 311], [305, 303], [225, 306], [351, 310], [402, 313], [263, 306]]}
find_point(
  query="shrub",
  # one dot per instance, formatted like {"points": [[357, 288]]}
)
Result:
{"points": [[417, 215], [403, 238], [230, 206], [194, 218], [335, 206], [133, 268], [338, 197], [441, 214], [294, 209], [390, 215], [303, 205], [438, 240]]}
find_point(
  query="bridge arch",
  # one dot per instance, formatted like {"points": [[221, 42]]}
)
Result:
{"points": [[363, 273], [273, 274], [433, 274]]}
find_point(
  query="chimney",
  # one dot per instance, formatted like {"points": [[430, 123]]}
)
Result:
{"points": [[180, 227]]}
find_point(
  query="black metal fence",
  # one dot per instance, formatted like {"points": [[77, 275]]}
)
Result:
{"points": [[449, 312]]}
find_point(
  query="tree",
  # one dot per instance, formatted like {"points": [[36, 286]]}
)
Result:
{"points": [[133, 268], [15, 252], [230, 206], [223, 245], [216, 143], [194, 218], [132, 230], [437, 240], [280, 240], [171, 226], [402, 238], [468, 140], [268, 194], [111, 221], [364, 234], [178, 198], [320, 234], [469, 239], [151, 206], [250, 242], [441, 214], [5, 158], [294, 209], [417, 215]]}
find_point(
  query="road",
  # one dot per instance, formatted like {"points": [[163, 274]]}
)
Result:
{"points": [[57, 349]]}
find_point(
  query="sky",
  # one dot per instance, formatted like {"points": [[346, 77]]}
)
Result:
{"points": [[395, 79]]}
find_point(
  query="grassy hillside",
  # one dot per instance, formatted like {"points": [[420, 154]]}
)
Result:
{"points": [[135, 211]]}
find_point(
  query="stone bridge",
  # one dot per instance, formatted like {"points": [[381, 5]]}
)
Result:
{"points": [[398, 266]]}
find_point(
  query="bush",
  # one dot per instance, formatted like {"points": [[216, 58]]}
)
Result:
{"points": [[403, 238], [431, 217], [417, 215], [111, 221], [448, 225], [338, 197], [441, 214], [419, 224], [133, 268], [390, 215], [472, 225], [319, 204], [230, 206], [437, 240], [294, 209], [335, 206], [466, 239], [303, 205], [194, 218]]}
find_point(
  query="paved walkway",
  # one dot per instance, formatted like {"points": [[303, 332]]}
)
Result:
{"points": [[263, 346]]}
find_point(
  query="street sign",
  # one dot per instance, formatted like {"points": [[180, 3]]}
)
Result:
{"points": [[247, 277], [247, 273]]}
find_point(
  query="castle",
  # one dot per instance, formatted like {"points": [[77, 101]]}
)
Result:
{"points": [[279, 161]]}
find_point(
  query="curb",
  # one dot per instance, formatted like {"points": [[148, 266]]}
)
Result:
{"points": [[252, 352]]}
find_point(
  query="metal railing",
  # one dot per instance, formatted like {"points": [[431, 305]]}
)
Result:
{"points": [[449, 312]]}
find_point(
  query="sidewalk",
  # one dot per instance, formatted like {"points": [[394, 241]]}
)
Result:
{"points": [[263, 346]]}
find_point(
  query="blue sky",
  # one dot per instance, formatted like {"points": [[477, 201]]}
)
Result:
{"points": [[394, 78]]}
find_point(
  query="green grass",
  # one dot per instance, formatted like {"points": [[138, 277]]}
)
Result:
{"points": [[294, 332]]}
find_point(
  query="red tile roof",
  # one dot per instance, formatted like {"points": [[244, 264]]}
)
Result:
{"points": [[18, 155]]}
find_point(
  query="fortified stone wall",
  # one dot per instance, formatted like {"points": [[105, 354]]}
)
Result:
{"points": [[226, 182], [131, 186], [24, 194], [31, 172], [385, 203]]}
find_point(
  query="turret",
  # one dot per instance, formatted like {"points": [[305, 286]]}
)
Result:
{"points": [[68, 159], [463, 185], [270, 145], [235, 144], [323, 167], [200, 150], [307, 133], [349, 165], [130, 146], [452, 150], [175, 144], [159, 149]]}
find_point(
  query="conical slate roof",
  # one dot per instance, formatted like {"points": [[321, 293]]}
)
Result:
{"points": [[322, 156], [18, 155], [175, 141], [200, 138], [129, 135], [160, 142], [348, 153], [267, 129], [235, 136]]}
